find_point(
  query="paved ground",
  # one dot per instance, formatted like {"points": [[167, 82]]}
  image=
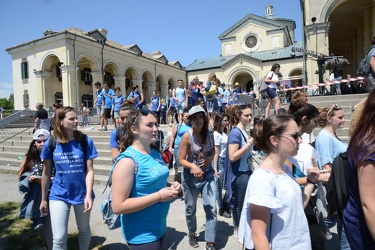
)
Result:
{"points": [[176, 233]]}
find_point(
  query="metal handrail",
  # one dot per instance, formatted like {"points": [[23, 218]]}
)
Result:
{"points": [[7, 132]]}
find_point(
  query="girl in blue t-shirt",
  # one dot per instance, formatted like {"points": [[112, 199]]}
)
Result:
{"points": [[73, 182], [155, 102], [118, 99], [139, 185], [238, 160]]}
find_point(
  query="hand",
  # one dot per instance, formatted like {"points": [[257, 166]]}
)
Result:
{"points": [[217, 175], [176, 186], [32, 178], [167, 194], [88, 204], [314, 172], [197, 172], [43, 208]]}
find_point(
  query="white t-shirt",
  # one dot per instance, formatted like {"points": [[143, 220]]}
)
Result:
{"points": [[303, 158], [288, 227], [221, 141], [273, 76]]}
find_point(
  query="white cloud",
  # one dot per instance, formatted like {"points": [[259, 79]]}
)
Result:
{"points": [[6, 88]]}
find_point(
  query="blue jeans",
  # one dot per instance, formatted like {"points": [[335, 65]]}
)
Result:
{"points": [[344, 243], [191, 191], [239, 186], [60, 211], [220, 183]]}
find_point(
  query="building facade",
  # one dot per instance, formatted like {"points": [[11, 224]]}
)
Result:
{"points": [[63, 67]]}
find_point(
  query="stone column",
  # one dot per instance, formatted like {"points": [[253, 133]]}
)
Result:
{"points": [[164, 90], [44, 88], [120, 82], [70, 86]]}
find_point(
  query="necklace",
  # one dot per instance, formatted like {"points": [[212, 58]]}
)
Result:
{"points": [[278, 170]]}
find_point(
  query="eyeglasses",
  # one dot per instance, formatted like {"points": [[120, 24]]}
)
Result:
{"points": [[336, 106], [294, 135]]}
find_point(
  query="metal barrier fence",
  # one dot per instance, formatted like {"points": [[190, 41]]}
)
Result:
{"points": [[11, 125]]}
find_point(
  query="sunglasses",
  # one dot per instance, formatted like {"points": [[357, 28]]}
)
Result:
{"points": [[295, 135], [334, 106], [146, 112]]}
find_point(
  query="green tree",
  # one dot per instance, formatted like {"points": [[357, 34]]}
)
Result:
{"points": [[7, 103]]}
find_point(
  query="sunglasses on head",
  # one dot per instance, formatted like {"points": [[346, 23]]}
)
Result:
{"points": [[146, 112], [336, 106]]}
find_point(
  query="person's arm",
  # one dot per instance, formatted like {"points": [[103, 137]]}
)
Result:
{"points": [[269, 79], [173, 137], [36, 122], [372, 63], [158, 109], [122, 182], [114, 153], [216, 161], [366, 185], [259, 220], [89, 185], [235, 152], [142, 99], [186, 96], [46, 179], [174, 95]]}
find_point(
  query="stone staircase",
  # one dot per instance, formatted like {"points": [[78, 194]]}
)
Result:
{"points": [[12, 150]]}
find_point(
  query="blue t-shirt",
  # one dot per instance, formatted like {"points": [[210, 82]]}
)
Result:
{"points": [[235, 137], [99, 97], [112, 139], [136, 101], [108, 99], [69, 184], [117, 101], [356, 227], [181, 129], [372, 54], [236, 92], [155, 103], [195, 94], [328, 147], [150, 223], [180, 95]]}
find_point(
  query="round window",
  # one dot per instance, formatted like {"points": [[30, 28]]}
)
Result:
{"points": [[251, 41]]}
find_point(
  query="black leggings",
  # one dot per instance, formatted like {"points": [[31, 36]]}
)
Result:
{"points": [[155, 245]]}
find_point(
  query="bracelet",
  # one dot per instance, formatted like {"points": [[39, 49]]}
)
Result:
{"points": [[309, 181], [159, 196]]}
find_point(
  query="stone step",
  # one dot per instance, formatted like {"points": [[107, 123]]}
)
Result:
{"points": [[337, 98]]}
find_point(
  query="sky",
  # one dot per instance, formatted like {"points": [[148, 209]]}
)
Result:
{"points": [[181, 30]]}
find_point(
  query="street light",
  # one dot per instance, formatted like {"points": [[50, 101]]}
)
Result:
{"points": [[100, 38]]}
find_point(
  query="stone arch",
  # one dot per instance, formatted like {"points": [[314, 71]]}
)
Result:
{"points": [[295, 76], [243, 75], [88, 61], [111, 69], [46, 57], [52, 80], [130, 75], [172, 83]]}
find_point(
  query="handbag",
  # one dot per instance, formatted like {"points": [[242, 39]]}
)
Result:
{"points": [[211, 91], [111, 219], [167, 156]]}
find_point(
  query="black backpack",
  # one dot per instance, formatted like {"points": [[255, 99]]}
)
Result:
{"points": [[337, 186], [364, 67]]}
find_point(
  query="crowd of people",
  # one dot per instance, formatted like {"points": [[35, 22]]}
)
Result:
{"points": [[279, 204]]}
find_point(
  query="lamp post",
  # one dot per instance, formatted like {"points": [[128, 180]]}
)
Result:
{"points": [[100, 38]]}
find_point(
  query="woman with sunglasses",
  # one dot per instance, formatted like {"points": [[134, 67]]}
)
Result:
{"points": [[221, 139], [307, 117], [238, 160], [139, 185], [196, 155], [29, 180], [273, 207], [359, 212], [73, 182], [329, 146]]}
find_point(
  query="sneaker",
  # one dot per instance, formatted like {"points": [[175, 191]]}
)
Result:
{"points": [[100, 129], [226, 214], [193, 240], [104, 129], [210, 246]]}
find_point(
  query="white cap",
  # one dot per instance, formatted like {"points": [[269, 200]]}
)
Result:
{"points": [[41, 134]]}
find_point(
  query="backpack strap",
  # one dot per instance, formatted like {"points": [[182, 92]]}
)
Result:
{"points": [[125, 154]]}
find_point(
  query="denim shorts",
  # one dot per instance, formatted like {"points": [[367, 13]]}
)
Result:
{"points": [[271, 93]]}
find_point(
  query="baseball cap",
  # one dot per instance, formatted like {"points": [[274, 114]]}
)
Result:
{"points": [[41, 134], [196, 109]]}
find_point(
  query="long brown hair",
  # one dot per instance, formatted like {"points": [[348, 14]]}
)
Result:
{"points": [[59, 131], [362, 143], [32, 156]]}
